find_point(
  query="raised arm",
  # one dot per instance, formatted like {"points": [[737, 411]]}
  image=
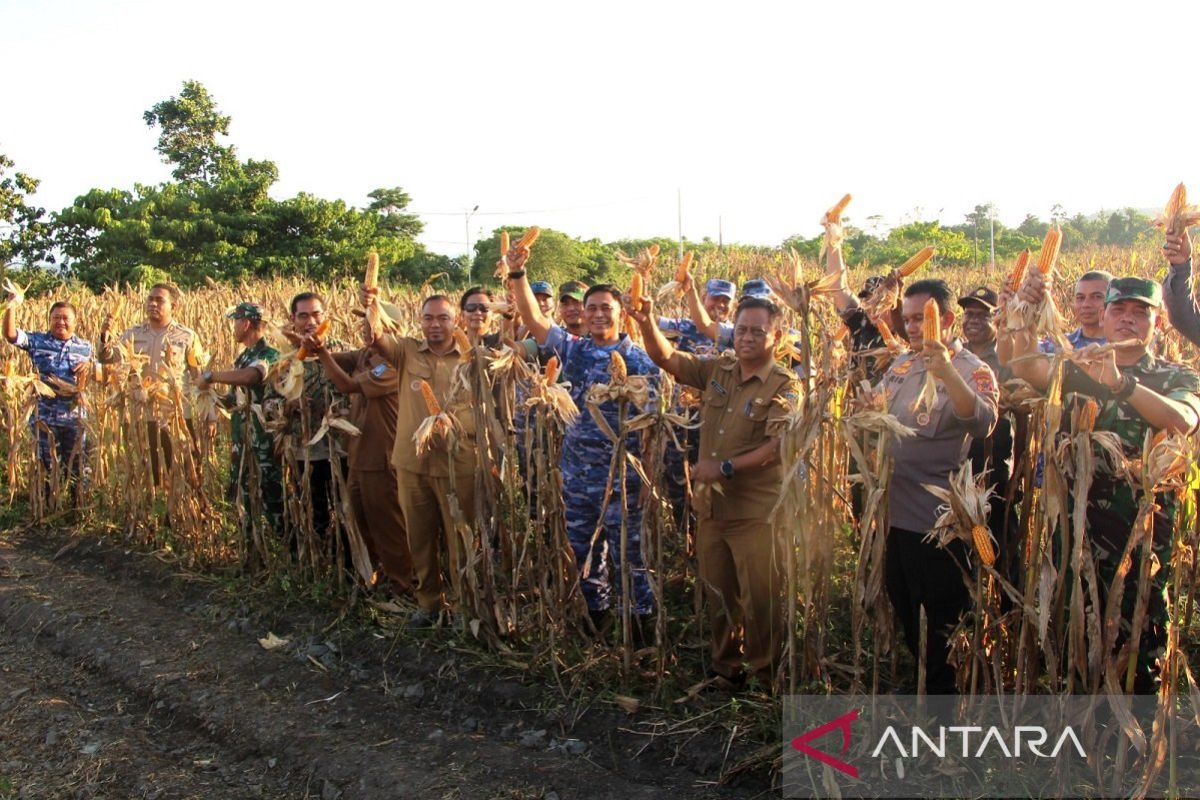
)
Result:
{"points": [[700, 318], [1024, 359], [536, 322], [10, 320], [843, 299], [657, 347], [333, 369], [1177, 287]]}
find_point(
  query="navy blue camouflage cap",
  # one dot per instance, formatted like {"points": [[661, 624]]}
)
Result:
{"points": [[542, 287], [1141, 289], [250, 311], [757, 288], [716, 287]]}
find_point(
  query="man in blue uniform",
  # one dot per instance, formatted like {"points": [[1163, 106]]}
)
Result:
{"points": [[63, 361], [587, 452]]}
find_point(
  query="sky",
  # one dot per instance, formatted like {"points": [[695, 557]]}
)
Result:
{"points": [[597, 119]]}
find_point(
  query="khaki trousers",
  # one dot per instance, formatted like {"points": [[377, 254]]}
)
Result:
{"points": [[741, 569], [425, 502], [375, 498]]}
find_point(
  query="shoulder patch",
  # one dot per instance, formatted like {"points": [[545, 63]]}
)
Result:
{"points": [[985, 382]]}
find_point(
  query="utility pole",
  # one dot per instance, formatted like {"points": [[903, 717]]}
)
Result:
{"points": [[720, 236], [467, 230], [992, 226]]}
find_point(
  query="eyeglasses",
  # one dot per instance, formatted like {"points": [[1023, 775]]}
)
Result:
{"points": [[472, 307], [744, 331]]}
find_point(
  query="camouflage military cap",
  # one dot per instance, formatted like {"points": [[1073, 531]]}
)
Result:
{"points": [[250, 311], [1141, 289]]}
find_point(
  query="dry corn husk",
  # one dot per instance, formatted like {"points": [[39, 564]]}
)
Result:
{"points": [[1178, 215], [885, 296], [965, 513], [834, 232], [1043, 319]]}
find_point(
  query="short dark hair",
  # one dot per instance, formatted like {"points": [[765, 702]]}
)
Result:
{"points": [[747, 303], [462, 301], [435, 297], [302, 297], [62, 304], [170, 289], [1095, 275], [615, 291], [936, 288]]}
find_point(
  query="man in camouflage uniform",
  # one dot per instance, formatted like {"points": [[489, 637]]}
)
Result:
{"points": [[248, 381], [1137, 394], [318, 398], [63, 361], [587, 452], [173, 353]]}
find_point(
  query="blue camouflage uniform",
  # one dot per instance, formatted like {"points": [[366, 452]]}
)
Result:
{"points": [[62, 415], [586, 458]]}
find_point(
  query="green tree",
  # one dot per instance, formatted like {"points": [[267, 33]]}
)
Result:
{"points": [[189, 125], [25, 232], [556, 257]]}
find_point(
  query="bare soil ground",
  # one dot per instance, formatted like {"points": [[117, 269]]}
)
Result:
{"points": [[124, 677]]}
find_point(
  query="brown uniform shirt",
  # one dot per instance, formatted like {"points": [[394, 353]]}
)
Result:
{"points": [[373, 410], [153, 343], [942, 440], [736, 417], [415, 362]]}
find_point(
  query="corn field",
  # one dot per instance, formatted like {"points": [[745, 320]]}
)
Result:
{"points": [[1024, 632]]}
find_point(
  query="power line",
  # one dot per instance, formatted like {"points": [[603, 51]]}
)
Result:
{"points": [[528, 211]]}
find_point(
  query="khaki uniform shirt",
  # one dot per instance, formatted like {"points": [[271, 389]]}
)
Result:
{"points": [[942, 440], [737, 416], [373, 411], [415, 362], [184, 346]]}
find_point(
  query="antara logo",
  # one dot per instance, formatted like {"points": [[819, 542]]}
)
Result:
{"points": [[991, 741], [842, 723]]}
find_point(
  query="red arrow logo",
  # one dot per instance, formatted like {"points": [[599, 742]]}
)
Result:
{"points": [[842, 723]]}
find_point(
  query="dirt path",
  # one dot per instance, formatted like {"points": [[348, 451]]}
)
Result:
{"points": [[117, 680]]}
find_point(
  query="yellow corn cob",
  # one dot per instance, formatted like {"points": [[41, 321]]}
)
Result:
{"points": [[889, 339], [460, 338], [431, 401], [911, 266], [653, 250], [322, 329], [835, 214], [1018, 274], [530, 237], [552, 369], [372, 277], [504, 245], [931, 329], [190, 356], [1085, 420], [635, 292], [1049, 253], [1178, 216], [686, 264], [617, 370], [983, 544]]}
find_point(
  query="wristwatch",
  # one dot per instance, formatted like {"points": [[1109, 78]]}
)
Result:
{"points": [[1128, 384], [727, 469], [206, 376], [516, 274]]}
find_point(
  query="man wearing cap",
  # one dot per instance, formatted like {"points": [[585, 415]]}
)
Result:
{"points": [[373, 386], [1087, 305], [544, 293], [570, 307], [247, 379], [1137, 394], [717, 301], [919, 574], [993, 454]]}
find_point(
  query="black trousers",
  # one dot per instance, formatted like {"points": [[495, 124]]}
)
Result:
{"points": [[917, 574]]}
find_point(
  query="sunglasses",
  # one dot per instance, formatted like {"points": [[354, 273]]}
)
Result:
{"points": [[470, 307]]}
